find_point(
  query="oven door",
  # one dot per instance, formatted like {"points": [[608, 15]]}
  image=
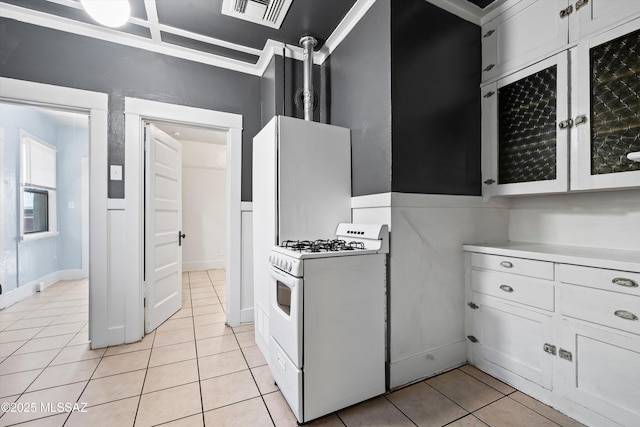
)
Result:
{"points": [[285, 320]]}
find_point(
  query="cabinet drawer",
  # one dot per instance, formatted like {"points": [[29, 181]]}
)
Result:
{"points": [[287, 376], [525, 267], [609, 280], [611, 309], [524, 290]]}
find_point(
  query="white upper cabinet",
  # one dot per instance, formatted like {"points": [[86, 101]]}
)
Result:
{"points": [[530, 30], [591, 16], [605, 104], [525, 130], [559, 115]]}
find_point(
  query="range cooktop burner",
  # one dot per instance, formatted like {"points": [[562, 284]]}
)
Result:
{"points": [[321, 245]]}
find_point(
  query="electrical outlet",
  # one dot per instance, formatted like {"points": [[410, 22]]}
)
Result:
{"points": [[221, 252]]}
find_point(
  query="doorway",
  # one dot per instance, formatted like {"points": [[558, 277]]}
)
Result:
{"points": [[44, 197], [185, 215], [93, 105], [137, 112]]}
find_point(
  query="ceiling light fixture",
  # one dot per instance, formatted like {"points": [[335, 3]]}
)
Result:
{"points": [[110, 13]]}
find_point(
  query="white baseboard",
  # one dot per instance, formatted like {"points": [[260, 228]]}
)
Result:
{"points": [[427, 364], [71, 275], [26, 290], [204, 265]]}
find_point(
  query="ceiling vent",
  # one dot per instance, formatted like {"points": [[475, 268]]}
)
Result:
{"points": [[269, 13]]}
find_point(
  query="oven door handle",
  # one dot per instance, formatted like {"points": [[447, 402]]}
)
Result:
{"points": [[288, 280]]}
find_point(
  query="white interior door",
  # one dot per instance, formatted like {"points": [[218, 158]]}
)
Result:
{"points": [[163, 227]]}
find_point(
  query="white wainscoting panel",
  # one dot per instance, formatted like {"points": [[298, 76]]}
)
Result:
{"points": [[116, 293], [246, 292], [426, 273]]}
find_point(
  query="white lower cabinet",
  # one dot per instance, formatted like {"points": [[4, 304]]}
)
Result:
{"points": [[512, 338], [571, 340], [604, 373]]}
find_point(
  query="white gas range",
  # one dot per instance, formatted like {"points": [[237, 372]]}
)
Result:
{"points": [[327, 314]]}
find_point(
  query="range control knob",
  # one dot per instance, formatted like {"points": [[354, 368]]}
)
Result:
{"points": [[290, 266]]}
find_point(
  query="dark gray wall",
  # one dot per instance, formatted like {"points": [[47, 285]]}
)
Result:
{"points": [[356, 94], [47, 56], [406, 81], [288, 74], [435, 76]]}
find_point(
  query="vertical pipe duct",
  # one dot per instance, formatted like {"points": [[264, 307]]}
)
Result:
{"points": [[308, 43]]}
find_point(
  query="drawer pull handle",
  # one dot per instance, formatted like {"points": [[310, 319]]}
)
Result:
{"points": [[581, 3], [506, 288], [621, 281], [548, 348], [626, 315], [566, 355], [506, 264]]}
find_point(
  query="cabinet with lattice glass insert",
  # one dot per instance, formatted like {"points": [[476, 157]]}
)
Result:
{"points": [[605, 107], [567, 122], [524, 149]]}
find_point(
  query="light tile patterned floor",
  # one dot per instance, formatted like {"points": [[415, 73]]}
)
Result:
{"points": [[195, 371]]}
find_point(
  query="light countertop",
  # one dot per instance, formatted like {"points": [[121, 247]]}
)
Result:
{"points": [[594, 257]]}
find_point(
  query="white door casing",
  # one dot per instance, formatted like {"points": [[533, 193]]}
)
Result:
{"points": [[163, 227], [1, 210], [84, 206], [135, 111], [95, 105]]}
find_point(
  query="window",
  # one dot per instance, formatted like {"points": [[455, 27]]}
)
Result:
{"points": [[36, 210], [38, 186]]}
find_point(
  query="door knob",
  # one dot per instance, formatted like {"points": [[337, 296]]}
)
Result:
{"points": [[181, 236]]}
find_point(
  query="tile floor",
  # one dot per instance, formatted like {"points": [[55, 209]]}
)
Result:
{"points": [[194, 371]]}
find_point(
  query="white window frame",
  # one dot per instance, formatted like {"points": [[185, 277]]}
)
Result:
{"points": [[26, 139]]}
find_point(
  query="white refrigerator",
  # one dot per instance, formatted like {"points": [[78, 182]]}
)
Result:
{"points": [[301, 191]]}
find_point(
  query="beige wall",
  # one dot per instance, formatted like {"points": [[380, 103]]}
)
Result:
{"points": [[204, 201]]}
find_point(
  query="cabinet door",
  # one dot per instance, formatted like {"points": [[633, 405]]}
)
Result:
{"points": [[606, 110], [531, 30], [591, 16], [524, 148], [512, 338], [603, 374]]}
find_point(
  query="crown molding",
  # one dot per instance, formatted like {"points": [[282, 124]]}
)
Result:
{"points": [[102, 33], [155, 44], [472, 13]]}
